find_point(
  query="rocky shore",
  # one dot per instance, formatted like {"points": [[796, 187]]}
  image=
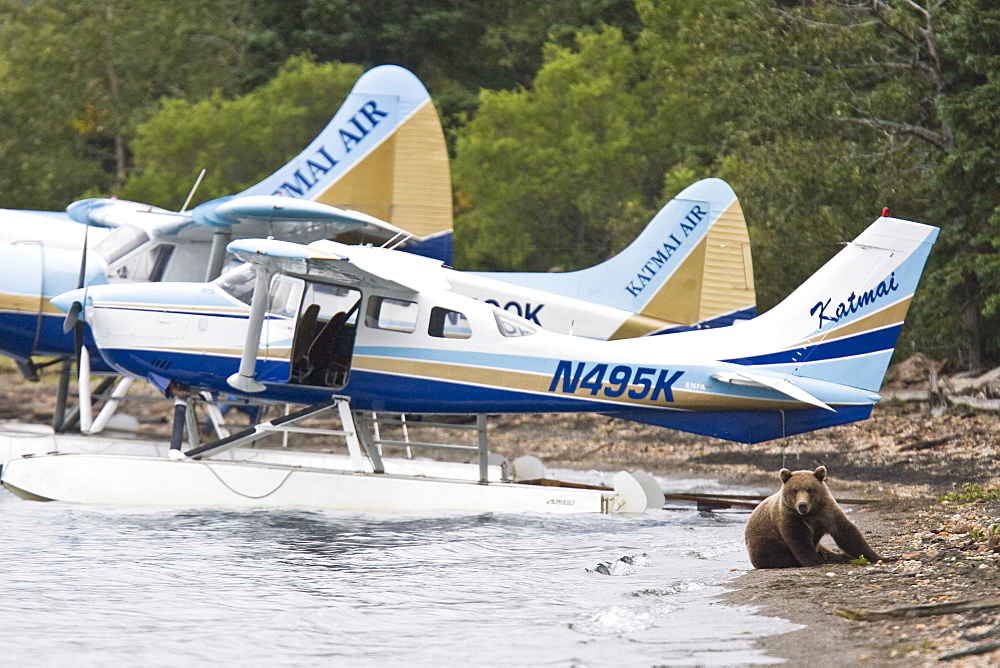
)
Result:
{"points": [[936, 597]]}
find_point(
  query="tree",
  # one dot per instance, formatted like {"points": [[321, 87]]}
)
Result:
{"points": [[964, 290], [240, 140], [456, 47], [80, 76], [565, 172]]}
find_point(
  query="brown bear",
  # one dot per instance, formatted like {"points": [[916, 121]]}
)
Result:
{"points": [[785, 529]]}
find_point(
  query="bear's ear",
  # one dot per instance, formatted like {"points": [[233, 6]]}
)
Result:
{"points": [[820, 473], [785, 475]]}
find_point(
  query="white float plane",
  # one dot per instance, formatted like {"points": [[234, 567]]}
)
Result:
{"points": [[369, 329], [377, 173]]}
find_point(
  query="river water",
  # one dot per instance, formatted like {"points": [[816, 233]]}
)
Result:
{"points": [[125, 586]]}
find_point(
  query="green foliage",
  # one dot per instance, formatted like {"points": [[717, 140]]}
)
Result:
{"points": [[860, 561], [566, 172], [80, 76], [572, 121], [968, 282], [971, 491], [238, 140], [456, 47], [798, 99]]}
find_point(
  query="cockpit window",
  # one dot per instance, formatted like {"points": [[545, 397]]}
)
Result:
{"points": [[121, 242], [239, 282], [511, 326]]}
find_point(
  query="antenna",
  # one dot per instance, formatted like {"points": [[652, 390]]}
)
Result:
{"points": [[193, 188]]}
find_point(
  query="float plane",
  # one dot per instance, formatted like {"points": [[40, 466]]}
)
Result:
{"points": [[371, 329], [378, 173]]}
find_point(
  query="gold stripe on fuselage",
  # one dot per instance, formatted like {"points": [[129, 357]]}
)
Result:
{"points": [[539, 383], [26, 304]]}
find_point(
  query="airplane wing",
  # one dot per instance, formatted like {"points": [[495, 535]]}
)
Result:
{"points": [[112, 212], [259, 211], [358, 266]]}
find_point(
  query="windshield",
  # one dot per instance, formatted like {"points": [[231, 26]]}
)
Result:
{"points": [[121, 242], [512, 326], [238, 282]]}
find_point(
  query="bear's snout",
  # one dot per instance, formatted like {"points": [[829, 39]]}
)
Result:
{"points": [[802, 503]]}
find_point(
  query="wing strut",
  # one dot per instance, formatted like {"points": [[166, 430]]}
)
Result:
{"points": [[288, 423], [243, 379]]}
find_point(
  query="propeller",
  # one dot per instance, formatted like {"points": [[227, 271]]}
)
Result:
{"points": [[73, 320], [75, 323]]}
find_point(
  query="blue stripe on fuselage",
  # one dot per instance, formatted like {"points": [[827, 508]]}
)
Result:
{"points": [[369, 391], [20, 342], [860, 344], [747, 426]]}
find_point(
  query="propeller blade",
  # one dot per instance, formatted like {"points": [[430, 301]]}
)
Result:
{"points": [[72, 317], [78, 341]]}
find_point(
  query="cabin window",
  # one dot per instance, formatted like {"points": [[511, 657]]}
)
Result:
{"points": [[286, 295], [238, 283], [447, 324], [397, 315], [512, 327], [161, 260]]}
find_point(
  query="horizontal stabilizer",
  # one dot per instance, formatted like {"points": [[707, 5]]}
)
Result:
{"points": [[782, 385]]}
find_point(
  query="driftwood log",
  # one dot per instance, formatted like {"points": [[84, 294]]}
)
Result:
{"points": [[911, 611], [918, 379]]}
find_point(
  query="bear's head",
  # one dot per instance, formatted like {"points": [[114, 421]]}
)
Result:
{"points": [[803, 491]]}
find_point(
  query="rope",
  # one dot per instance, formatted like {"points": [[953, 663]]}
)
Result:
{"points": [[250, 496]]}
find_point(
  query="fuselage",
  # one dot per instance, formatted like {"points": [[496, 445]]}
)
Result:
{"points": [[434, 352]]}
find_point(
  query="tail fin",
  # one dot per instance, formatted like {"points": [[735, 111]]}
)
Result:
{"points": [[690, 267], [827, 345], [842, 324], [383, 154]]}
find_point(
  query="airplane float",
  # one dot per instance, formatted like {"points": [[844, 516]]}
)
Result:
{"points": [[358, 329]]}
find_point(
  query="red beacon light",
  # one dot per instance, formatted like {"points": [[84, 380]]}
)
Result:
{"points": [[885, 212]]}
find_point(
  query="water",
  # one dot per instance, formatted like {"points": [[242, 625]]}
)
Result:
{"points": [[115, 586]]}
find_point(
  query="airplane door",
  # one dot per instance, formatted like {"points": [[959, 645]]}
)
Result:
{"points": [[323, 345]]}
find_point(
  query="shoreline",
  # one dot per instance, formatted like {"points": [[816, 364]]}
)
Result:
{"points": [[935, 552]]}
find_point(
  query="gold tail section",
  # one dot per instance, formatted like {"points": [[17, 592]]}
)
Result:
{"points": [[405, 180], [715, 280]]}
